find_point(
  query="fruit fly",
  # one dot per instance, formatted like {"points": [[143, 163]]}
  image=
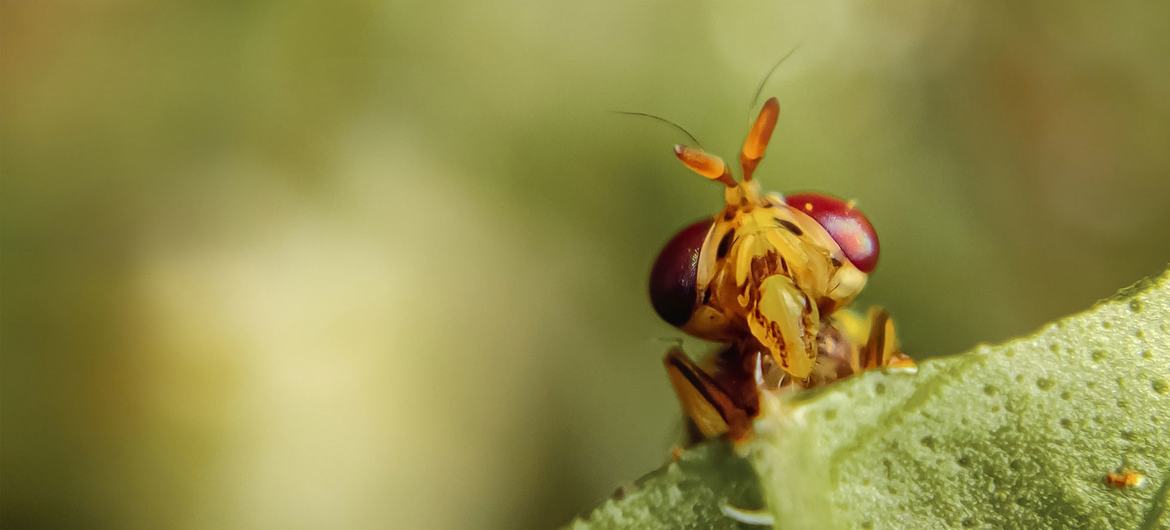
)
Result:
{"points": [[768, 276]]}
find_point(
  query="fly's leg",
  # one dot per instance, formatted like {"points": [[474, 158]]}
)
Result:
{"points": [[881, 347], [708, 405]]}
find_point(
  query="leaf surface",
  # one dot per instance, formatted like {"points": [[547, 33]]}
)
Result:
{"points": [[1018, 435]]}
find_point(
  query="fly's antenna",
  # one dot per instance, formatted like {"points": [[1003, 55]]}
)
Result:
{"points": [[760, 89], [663, 120], [695, 158], [758, 137], [706, 164], [761, 129]]}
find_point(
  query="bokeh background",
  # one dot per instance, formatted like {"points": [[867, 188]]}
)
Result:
{"points": [[369, 264]]}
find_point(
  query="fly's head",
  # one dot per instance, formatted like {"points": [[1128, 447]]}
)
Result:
{"points": [[767, 269]]}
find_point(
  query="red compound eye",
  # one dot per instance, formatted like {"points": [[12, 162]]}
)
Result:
{"points": [[848, 226], [672, 280]]}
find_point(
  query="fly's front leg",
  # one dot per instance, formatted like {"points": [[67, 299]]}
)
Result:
{"points": [[708, 405]]}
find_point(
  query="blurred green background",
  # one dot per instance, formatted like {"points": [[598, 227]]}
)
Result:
{"points": [[287, 264]]}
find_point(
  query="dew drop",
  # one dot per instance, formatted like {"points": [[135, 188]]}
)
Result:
{"points": [[1066, 423], [929, 442], [990, 390], [1160, 386], [1099, 355], [1135, 305], [1044, 383], [879, 389]]}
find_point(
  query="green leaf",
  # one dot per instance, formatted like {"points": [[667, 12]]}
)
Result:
{"points": [[684, 494], [1019, 435]]}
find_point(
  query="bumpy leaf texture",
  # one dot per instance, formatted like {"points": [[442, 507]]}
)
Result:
{"points": [[1019, 435]]}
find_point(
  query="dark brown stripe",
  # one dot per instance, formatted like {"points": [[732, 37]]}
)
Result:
{"points": [[790, 226], [701, 385], [877, 340], [725, 244], [880, 344]]}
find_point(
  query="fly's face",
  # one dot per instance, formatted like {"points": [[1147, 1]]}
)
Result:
{"points": [[766, 268]]}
